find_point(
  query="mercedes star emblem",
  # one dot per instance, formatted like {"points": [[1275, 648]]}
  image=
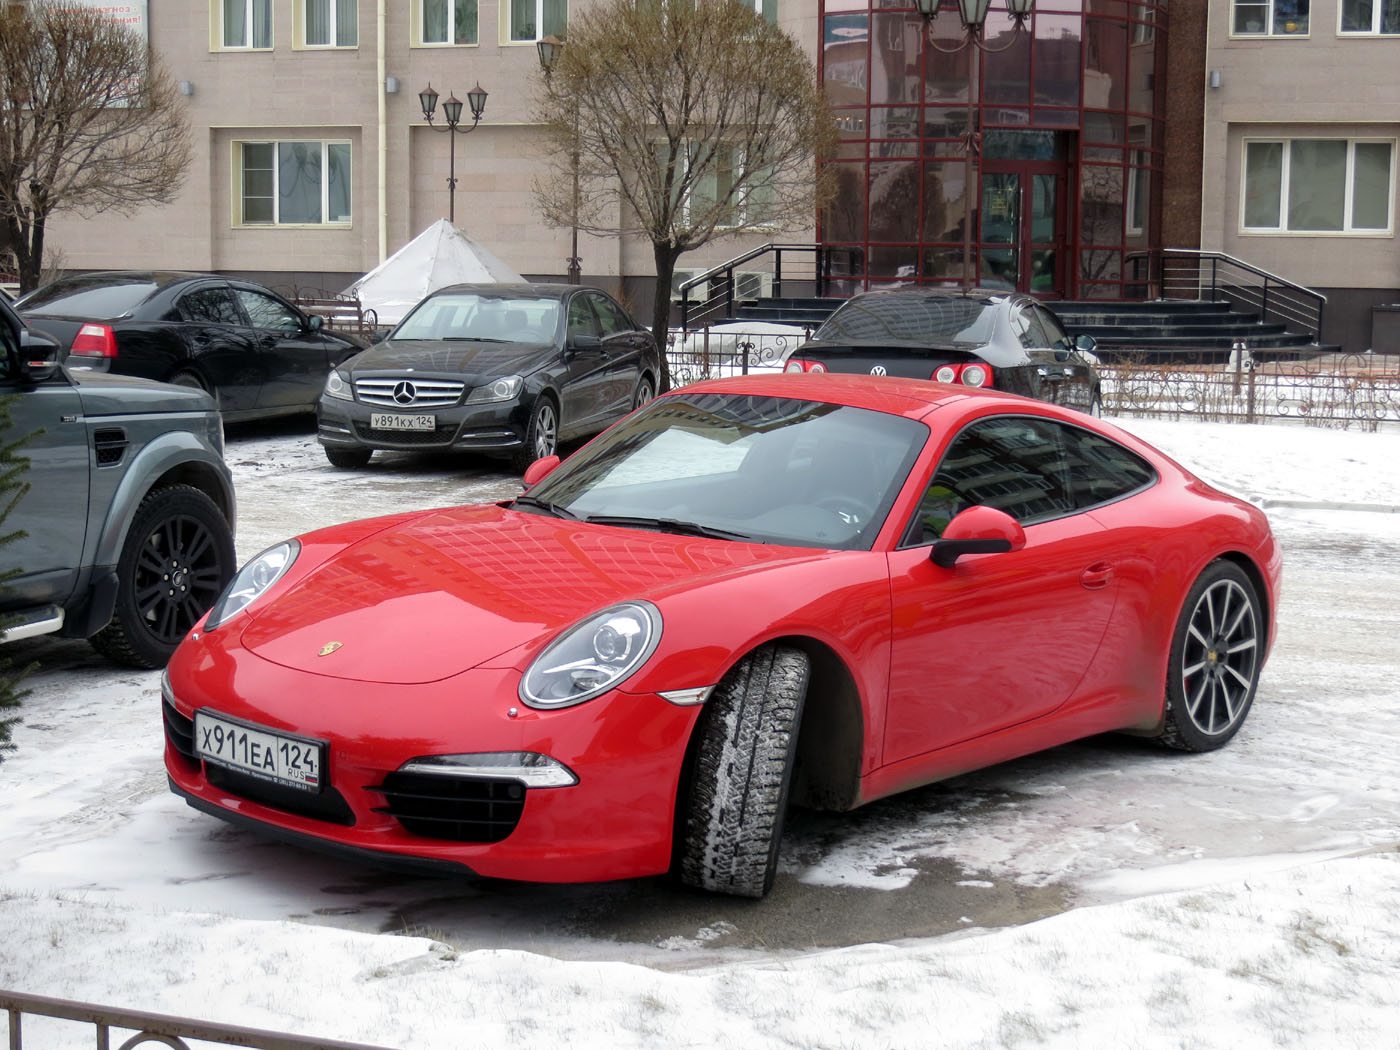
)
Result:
{"points": [[404, 392]]}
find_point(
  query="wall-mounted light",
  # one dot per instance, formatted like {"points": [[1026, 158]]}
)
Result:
{"points": [[391, 85], [186, 87], [1213, 78]]}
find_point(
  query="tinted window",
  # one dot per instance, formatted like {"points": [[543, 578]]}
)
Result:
{"points": [[210, 306], [582, 320], [88, 298], [267, 312], [911, 319], [1030, 329], [467, 315], [612, 317], [1054, 331], [1033, 469]]}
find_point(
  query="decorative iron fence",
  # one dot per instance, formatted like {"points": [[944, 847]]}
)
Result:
{"points": [[1335, 390], [151, 1028], [730, 349]]}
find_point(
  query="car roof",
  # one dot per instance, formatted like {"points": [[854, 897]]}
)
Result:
{"points": [[521, 289], [914, 398], [988, 296]]}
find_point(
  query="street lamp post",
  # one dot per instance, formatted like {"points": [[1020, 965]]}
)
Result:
{"points": [[974, 17], [452, 114], [550, 48]]}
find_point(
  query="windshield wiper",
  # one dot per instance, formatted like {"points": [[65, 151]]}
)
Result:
{"points": [[553, 509], [681, 528]]}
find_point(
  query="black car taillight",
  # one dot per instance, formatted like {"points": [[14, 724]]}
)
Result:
{"points": [[94, 340]]}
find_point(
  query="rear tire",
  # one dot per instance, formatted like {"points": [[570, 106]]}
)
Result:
{"points": [[176, 560], [348, 458], [738, 790], [190, 380], [1216, 655]]}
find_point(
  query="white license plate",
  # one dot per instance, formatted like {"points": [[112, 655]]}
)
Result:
{"points": [[263, 753], [393, 421]]}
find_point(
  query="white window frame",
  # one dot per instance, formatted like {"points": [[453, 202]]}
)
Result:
{"points": [[239, 180], [216, 26], [300, 13], [758, 8], [1375, 30], [1348, 201], [419, 23], [1268, 7], [507, 21]]}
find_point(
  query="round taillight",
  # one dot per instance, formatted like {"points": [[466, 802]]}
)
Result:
{"points": [[816, 366], [975, 375], [794, 366], [945, 374]]}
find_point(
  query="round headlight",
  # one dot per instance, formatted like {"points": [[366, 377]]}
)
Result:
{"points": [[593, 656], [252, 581]]}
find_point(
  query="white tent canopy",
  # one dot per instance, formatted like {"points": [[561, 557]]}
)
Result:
{"points": [[439, 256]]}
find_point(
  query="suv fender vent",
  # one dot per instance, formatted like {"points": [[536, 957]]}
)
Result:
{"points": [[110, 445]]}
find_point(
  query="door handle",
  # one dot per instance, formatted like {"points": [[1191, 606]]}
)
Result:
{"points": [[1096, 576]]}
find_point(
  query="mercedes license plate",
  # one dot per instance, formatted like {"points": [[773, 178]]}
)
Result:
{"points": [[394, 421], [260, 752]]}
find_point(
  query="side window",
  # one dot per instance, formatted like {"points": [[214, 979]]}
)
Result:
{"points": [[1101, 470], [1055, 334], [1030, 329], [210, 306], [267, 312], [581, 318], [610, 315]]}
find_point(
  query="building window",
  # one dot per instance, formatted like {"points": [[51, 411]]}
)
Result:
{"points": [[294, 183], [447, 21], [536, 19], [739, 198], [767, 8], [245, 25], [1371, 16], [1270, 17], [330, 23], [1318, 186]]}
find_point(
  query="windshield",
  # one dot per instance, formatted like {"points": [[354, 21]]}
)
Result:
{"points": [[765, 469], [93, 299], [922, 319], [490, 318]]}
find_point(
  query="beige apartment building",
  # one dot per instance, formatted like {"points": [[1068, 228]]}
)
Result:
{"points": [[1302, 116], [326, 92]]}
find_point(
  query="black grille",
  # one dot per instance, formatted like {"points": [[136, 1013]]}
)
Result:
{"points": [[328, 805], [442, 435], [179, 730], [457, 808], [110, 445]]}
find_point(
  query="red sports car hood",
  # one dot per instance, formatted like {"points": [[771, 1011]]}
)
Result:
{"points": [[439, 594]]}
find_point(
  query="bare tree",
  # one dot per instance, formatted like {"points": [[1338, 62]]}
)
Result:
{"points": [[89, 122], [682, 121]]}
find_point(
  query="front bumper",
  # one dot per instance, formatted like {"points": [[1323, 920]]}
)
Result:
{"points": [[491, 428], [616, 822]]}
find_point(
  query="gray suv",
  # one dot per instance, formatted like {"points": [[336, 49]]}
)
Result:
{"points": [[128, 520]]}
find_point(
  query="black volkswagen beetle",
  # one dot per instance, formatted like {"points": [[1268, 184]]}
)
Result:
{"points": [[980, 338], [255, 352], [502, 369]]}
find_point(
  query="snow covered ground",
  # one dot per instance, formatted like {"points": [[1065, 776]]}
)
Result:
{"points": [[1249, 897]]}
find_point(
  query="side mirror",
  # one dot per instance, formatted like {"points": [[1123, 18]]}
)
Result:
{"points": [[1085, 343], [38, 356], [539, 470], [315, 322], [1061, 354], [977, 530]]}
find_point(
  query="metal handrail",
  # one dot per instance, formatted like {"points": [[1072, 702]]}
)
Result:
{"points": [[163, 1029], [1218, 277], [819, 274]]}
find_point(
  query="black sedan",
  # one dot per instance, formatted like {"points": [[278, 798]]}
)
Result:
{"points": [[980, 338], [501, 369], [256, 353]]}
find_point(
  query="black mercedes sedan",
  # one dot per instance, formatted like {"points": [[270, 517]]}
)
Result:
{"points": [[255, 352], [506, 370], [981, 338]]}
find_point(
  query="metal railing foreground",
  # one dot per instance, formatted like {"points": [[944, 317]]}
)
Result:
{"points": [[153, 1028]]}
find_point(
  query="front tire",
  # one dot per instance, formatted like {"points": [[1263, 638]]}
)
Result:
{"points": [[738, 790], [1216, 655], [348, 458], [541, 436], [176, 560], [644, 393]]}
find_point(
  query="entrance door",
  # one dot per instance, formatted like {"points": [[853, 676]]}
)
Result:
{"points": [[1022, 226]]}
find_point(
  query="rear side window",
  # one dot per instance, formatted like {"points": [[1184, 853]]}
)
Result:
{"points": [[1033, 469], [210, 306]]}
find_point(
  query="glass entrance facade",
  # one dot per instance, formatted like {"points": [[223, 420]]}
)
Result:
{"points": [[1067, 121]]}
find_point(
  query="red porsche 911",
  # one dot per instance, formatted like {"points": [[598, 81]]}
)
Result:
{"points": [[753, 591]]}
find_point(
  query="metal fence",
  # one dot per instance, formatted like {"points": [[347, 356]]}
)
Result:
{"points": [[151, 1028], [729, 349]]}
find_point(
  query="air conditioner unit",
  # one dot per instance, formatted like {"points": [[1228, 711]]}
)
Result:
{"points": [[752, 284], [698, 293]]}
